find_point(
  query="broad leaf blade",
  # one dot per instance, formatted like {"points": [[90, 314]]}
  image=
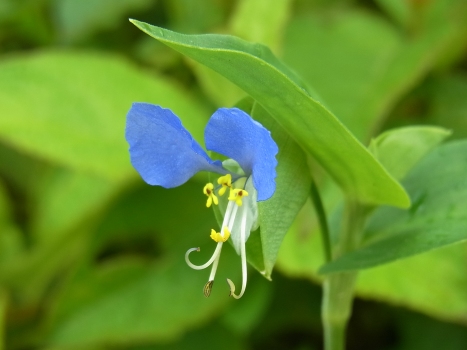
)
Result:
{"points": [[267, 80], [438, 187]]}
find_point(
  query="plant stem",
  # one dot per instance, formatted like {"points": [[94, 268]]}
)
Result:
{"points": [[322, 221], [338, 287]]}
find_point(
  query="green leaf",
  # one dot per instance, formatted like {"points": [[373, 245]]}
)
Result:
{"points": [[400, 149], [437, 218], [263, 77], [76, 107]]}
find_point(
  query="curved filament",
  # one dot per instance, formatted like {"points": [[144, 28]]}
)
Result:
{"points": [[208, 263]]}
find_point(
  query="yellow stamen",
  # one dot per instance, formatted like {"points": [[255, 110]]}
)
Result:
{"points": [[237, 195], [217, 237], [208, 190], [226, 182]]}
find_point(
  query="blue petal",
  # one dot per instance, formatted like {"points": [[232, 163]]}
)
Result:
{"points": [[233, 133], [161, 149]]}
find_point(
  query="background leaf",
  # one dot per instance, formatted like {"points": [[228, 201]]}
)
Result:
{"points": [[77, 121]]}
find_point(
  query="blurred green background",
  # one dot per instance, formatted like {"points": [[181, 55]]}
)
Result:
{"points": [[93, 258]]}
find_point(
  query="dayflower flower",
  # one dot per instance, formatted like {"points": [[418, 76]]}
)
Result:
{"points": [[165, 154]]}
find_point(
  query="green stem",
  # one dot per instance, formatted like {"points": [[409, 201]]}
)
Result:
{"points": [[338, 288], [322, 221]]}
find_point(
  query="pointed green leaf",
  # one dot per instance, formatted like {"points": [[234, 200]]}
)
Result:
{"points": [[268, 81], [438, 188]]}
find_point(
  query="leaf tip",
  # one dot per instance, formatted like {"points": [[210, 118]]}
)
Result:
{"points": [[136, 22], [266, 274], [405, 202]]}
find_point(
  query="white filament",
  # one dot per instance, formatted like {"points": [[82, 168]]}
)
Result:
{"points": [[243, 257], [228, 222], [208, 263]]}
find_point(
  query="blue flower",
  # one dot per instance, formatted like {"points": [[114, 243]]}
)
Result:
{"points": [[165, 154]]}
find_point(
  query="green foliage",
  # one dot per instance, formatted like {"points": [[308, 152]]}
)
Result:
{"points": [[93, 258]]}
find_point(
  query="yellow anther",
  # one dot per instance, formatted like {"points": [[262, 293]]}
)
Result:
{"points": [[208, 190], [217, 237], [237, 195], [226, 182]]}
